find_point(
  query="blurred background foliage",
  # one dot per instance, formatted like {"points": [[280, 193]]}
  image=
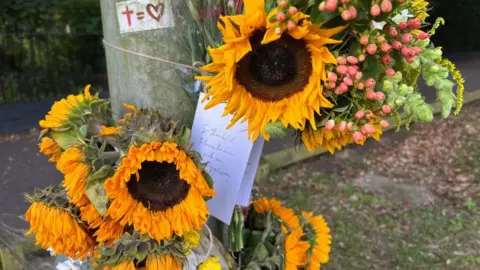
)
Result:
{"points": [[49, 48]]}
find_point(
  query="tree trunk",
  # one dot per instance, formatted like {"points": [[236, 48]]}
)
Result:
{"points": [[153, 84]]}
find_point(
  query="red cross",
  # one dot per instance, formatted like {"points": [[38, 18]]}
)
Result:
{"points": [[128, 13]]}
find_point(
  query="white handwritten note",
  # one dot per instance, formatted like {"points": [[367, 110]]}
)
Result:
{"points": [[227, 152], [140, 15], [249, 177]]}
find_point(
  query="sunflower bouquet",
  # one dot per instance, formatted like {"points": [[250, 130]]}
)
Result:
{"points": [[333, 71], [133, 195]]}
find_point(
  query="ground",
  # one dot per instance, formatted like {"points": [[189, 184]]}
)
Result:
{"points": [[408, 202]]}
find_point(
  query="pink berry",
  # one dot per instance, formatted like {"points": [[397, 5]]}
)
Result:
{"points": [[332, 76], [331, 5], [390, 72], [341, 60], [348, 81], [385, 47], [403, 25], [342, 126], [379, 96], [358, 137], [384, 124], [291, 25], [338, 91], [332, 85], [283, 4], [352, 60], [370, 83], [414, 24], [372, 49], [410, 59], [375, 10], [416, 50], [364, 40], [292, 10], [345, 1], [359, 75], [343, 87], [322, 7], [346, 15], [369, 115], [386, 109], [364, 131], [361, 86], [353, 12], [407, 38], [397, 45], [370, 129], [330, 124], [422, 36], [342, 69], [393, 32], [350, 126], [352, 70], [405, 51], [361, 58], [386, 6], [387, 59], [360, 114], [381, 39], [281, 17], [370, 94]]}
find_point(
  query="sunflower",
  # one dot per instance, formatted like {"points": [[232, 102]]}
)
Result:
{"points": [[285, 215], [295, 250], [267, 73], [59, 115], [109, 231], [55, 225], [210, 264], [159, 189], [320, 240], [333, 139], [71, 163], [152, 263], [50, 148]]}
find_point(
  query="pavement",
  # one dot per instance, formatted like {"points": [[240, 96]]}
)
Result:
{"points": [[22, 168]]}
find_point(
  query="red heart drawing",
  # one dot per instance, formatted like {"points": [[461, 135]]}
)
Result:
{"points": [[156, 11]]}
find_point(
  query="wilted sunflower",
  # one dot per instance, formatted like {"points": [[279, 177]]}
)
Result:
{"points": [[59, 115], [295, 250], [56, 225], [72, 165], [284, 214], [136, 251], [318, 233], [159, 189], [267, 72], [152, 263], [50, 148], [128, 115], [333, 139], [108, 231]]}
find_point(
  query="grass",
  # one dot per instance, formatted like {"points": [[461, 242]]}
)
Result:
{"points": [[372, 232]]}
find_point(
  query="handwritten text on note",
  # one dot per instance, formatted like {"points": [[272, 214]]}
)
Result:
{"points": [[227, 152]]}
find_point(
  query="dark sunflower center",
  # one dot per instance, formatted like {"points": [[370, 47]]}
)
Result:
{"points": [[160, 186], [275, 70]]}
